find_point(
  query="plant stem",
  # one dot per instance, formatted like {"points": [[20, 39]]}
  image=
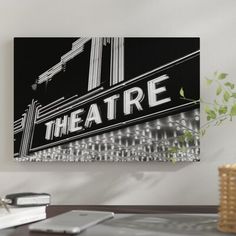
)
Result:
{"points": [[218, 118], [189, 99], [186, 127]]}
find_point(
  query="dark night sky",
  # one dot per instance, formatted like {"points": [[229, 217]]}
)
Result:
{"points": [[33, 56]]}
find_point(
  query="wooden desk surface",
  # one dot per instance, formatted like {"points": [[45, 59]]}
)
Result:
{"points": [[55, 210]]}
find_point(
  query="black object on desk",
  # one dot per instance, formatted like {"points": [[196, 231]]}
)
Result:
{"points": [[28, 199]]}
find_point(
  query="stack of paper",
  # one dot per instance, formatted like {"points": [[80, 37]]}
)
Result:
{"points": [[21, 215]]}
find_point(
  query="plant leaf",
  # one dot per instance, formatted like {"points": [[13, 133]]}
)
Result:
{"points": [[215, 108], [203, 131], [216, 103], [173, 149], [233, 110], [226, 96], [210, 114], [188, 135], [222, 76], [213, 114], [219, 90], [223, 110], [181, 138], [233, 95], [173, 160], [181, 92], [209, 81], [183, 149], [230, 85], [207, 109]]}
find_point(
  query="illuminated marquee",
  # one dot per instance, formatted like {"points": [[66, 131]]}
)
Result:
{"points": [[132, 97], [106, 102]]}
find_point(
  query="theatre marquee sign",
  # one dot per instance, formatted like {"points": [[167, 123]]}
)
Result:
{"points": [[90, 114], [104, 108]]}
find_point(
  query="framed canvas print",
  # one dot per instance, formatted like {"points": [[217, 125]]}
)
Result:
{"points": [[106, 99]]}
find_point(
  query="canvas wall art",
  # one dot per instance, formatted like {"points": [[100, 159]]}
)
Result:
{"points": [[106, 99]]}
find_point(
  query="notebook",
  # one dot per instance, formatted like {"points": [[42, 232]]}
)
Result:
{"points": [[21, 215]]}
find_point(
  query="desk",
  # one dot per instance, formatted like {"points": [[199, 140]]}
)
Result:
{"points": [[143, 220]]}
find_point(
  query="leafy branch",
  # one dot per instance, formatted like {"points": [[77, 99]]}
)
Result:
{"points": [[224, 105], [223, 108]]}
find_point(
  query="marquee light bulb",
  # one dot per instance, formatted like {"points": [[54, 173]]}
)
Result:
{"points": [[197, 118], [148, 141]]}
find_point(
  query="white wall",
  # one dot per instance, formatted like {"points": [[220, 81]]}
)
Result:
{"points": [[120, 183]]}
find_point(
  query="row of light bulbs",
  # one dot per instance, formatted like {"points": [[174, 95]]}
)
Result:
{"points": [[149, 141]]}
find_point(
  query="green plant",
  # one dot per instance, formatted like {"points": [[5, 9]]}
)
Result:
{"points": [[222, 108]]}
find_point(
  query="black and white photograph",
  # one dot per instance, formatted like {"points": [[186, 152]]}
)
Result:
{"points": [[117, 99], [118, 117]]}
